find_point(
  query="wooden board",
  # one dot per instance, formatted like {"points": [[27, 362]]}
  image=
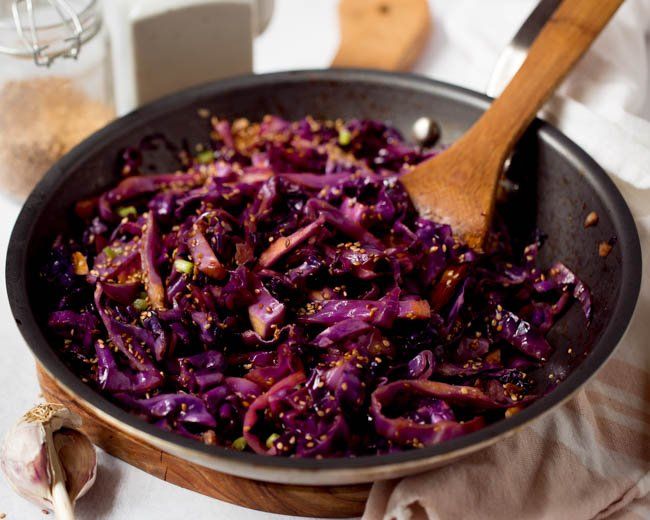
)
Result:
{"points": [[333, 501], [382, 34]]}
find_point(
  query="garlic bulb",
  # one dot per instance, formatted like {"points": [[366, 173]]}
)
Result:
{"points": [[48, 461]]}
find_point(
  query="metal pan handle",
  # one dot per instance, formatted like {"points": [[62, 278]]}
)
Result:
{"points": [[512, 57]]}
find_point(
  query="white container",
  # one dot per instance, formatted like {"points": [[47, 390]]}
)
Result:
{"points": [[161, 46]]}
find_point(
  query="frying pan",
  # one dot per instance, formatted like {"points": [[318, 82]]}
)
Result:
{"points": [[559, 184]]}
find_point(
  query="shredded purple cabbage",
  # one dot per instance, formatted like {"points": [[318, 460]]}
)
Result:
{"points": [[281, 295]]}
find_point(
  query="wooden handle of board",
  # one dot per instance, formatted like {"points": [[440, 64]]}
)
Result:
{"points": [[382, 34]]}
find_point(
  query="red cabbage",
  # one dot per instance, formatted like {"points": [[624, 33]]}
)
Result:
{"points": [[281, 295]]}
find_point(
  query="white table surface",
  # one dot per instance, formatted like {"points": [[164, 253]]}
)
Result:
{"points": [[302, 34]]}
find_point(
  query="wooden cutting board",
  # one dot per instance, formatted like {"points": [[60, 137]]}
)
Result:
{"points": [[384, 34]]}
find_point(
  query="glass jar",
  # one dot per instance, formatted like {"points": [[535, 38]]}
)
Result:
{"points": [[47, 108]]}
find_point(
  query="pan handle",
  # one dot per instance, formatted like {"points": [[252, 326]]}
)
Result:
{"points": [[514, 55]]}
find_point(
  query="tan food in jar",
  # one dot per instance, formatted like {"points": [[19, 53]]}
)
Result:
{"points": [[41, 119]]}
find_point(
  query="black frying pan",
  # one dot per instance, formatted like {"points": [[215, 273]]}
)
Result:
{"points": [[559, 185]]}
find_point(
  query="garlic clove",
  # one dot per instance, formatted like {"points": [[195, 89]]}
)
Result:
{"points": [[47, 460], [79, 460]]}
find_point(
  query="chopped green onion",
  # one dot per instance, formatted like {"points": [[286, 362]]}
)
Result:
{"points": [[272, 438], [126, 211], [345, 137], [205, 157], [239, 444], [110, 252], [183, 266], [140, 304]]}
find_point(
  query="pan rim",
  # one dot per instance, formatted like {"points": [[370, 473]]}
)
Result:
{"points": [[336, 470]]}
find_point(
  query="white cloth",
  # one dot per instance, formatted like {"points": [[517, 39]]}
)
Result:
{"points": [[467, 36]]}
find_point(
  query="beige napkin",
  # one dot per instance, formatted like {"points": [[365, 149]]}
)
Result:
{"points": [[591, 457]]}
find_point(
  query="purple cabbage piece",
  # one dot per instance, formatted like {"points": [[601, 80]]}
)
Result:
{"points": [[522, 336], [203, 255], [265, 401], [432, 420], [148, 252], [381, 312], [201, 372], [237, 292], [184, 408], [118, 263], [337, 219], [342, 330], [543, 315], [75, 326], [422, 365], [286, 364], [472, 348], [114, 379], [161, 337], [122, 293], [562, 278], [346, 384], [122, 336], [315, 181], [283, 245], [137, 186], [266, 313]]}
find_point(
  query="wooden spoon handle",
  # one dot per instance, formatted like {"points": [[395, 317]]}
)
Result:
{"points": [[560, 44], [382, 34]]}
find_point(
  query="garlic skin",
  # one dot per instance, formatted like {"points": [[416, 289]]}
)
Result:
{"points": [[47, 460], [24, 463]]}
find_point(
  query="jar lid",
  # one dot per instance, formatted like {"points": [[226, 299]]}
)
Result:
{"points": [[52, 28]]}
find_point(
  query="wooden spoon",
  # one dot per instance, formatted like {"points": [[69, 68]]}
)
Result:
{"points": [[458, 187]]}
